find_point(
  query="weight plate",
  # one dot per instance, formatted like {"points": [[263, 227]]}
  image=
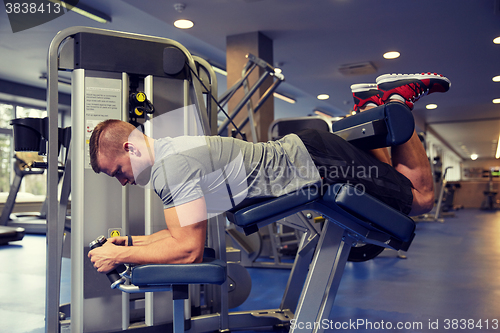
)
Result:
{"points": [[239, 284]]}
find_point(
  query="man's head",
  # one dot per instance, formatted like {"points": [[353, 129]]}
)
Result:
{"points": [[119, 150]]}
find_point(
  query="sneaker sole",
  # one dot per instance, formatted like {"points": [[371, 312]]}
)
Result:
{"points": [[422, 76], [363, 87]]}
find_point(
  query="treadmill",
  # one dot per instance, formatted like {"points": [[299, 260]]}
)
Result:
{"points": [[29, 136], [33, 222]]}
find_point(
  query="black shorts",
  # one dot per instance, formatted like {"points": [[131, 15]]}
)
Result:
{"points": [[338, 161]]}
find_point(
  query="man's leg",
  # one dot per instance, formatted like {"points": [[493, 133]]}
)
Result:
{"points": [[410, 158]]}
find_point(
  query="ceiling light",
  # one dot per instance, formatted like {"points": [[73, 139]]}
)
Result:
{"points": [[183, 24], [323, 97], [284, 98], [431, 106], [86, 11], [496, 78], [278, 70], [496, 101], [474, 157], [392, 55], [496, 40]]}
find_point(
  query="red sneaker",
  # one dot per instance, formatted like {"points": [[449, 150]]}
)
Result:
{"points": [[411, 87], [365, 93]]}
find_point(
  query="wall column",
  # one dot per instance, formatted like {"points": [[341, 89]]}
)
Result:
{"points": [[238, 46]]}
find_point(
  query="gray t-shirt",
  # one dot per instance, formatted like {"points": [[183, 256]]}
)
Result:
{"points": [[226, 171]]}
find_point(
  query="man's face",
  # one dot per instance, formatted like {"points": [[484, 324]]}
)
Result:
{"points": [[118, 167]]}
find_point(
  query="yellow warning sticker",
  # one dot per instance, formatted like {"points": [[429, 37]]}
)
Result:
{"points": [[114, 233], [141, 97]]}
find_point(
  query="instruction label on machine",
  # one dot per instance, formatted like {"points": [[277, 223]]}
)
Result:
{"points": [[103, 101]]}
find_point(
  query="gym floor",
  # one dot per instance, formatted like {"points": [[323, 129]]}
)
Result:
{"points": [[450, 280]]}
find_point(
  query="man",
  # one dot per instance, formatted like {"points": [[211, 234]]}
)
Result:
{"points": [[199, 176]]}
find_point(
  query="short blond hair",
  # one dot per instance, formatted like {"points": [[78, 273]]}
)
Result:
{"points": [[108, 138]]}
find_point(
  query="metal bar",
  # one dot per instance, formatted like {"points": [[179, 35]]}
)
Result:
{"points": [[323, 278], [198, 100], [212, 94], [53, 265], [133, 289], [243, 102], [299, 270], [125, 198], [364, 130], [178, 323], [230, 92], [250, 112], [77, 205], [148, 203], [262, 100]]}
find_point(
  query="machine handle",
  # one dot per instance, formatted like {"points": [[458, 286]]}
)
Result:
{"points": [[113, 276]]}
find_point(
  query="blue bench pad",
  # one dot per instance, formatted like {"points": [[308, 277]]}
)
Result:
{"points": [[252, 214], [371, 211], [210, 271], [341, 198], [397, 117]]}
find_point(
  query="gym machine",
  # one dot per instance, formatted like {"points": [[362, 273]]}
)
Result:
{"points": [[108, 66], [437, 215], [489, 201], [32, 222], [349, 217], [29, 136], [158, 86], [268, 72]]}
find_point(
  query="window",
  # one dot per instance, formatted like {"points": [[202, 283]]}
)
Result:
{"points": [[32, 184], [5, 162], [6, 114]]}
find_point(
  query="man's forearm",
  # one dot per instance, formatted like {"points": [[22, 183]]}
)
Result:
{"points": [[165, 250], [148, 239]]}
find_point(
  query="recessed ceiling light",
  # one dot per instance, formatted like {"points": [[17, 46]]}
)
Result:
{"points": [[474, 157], [323, 97], [391, 55], [496, 40], [496, 101], [183, 24], [431, 106], [496, 78]]}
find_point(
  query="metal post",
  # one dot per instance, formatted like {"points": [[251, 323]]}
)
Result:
{"points": [[323, 278]]}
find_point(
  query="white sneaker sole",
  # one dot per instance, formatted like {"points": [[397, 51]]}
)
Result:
{"points": [[420, 76], [363, 87]]}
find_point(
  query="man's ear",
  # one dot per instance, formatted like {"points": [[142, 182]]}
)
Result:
{"points": [[130, 148]]}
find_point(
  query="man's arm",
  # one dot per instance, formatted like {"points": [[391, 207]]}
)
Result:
{"points": [[140, 240], [187, 226]]}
